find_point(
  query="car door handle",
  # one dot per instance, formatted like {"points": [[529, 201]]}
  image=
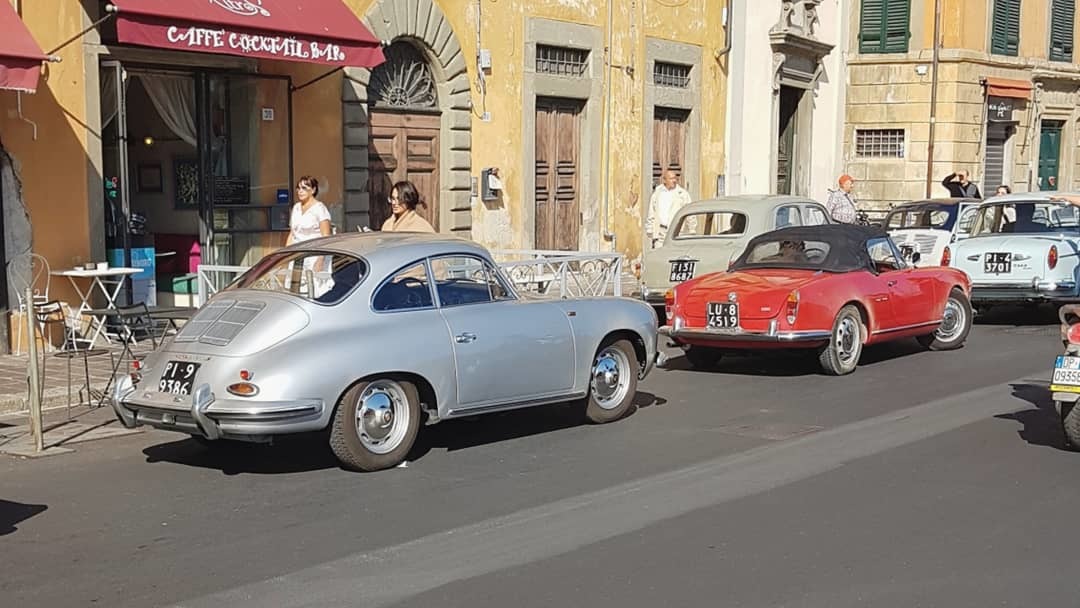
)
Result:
{"points": [[891, 283], [464, 338]]}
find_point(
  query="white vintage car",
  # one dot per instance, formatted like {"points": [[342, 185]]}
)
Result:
{"points": [[707, 235], [1022, 248], [928, 226]]}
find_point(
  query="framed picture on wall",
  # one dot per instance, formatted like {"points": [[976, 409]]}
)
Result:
{"points": [[186, 178], [150, 177]]}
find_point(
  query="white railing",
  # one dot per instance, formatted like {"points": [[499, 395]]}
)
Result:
{"points": [[564, 274]]}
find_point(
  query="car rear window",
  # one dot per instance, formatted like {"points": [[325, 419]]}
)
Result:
{"points": [[325, 278], [784, 253], [719, 223], [936, 217]]}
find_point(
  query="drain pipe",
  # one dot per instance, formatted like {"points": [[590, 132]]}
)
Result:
{"points": [[933, 99], [610, 77]]}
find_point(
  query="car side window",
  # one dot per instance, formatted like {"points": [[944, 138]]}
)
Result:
{"points": [[883, 255], [815, 216], [788, 216], [408, 289], [461, 280], [967, 219]]}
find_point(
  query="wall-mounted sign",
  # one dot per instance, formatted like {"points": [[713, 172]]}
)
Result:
{"points": [[999, 109]]}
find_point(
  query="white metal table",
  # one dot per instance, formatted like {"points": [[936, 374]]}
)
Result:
{"points": [[95, 277]]}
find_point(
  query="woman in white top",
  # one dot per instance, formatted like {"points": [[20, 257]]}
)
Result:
{"points": [[310, 218]]}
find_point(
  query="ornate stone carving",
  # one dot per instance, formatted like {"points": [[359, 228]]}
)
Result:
{"points": [[798, 17], [777, 69], [404, 81]]}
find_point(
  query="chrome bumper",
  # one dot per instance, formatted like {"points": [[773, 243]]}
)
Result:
{"points": [[739, 335], [204, 415], [1022, 292]]}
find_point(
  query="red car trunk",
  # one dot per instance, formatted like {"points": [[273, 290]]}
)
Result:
{"points": [[761, 294]]}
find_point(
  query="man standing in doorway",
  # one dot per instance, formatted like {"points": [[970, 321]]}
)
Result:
{"points": [[841, 202], [959, 186], [666, 201]]}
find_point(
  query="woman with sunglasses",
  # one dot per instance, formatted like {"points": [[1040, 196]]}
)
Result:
{"points": [[403, 202], [310, 218]]}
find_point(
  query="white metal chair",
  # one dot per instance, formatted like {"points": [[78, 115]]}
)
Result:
{"points": [[32, 271]]}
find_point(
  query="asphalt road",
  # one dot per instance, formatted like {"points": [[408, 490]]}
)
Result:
{"points": [[930, 479]]}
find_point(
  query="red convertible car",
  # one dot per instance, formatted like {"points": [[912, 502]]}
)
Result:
{"points": [[833, 288]]}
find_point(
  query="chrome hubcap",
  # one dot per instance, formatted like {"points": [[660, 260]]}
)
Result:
{"points": [[847, 340], [382, 416], [610, 375], [952, 322]]}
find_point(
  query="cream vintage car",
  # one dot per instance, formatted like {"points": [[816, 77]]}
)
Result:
{"points": [[705, 236], [927, 227]]}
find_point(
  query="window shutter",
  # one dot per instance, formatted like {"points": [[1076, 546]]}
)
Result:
{"points": [[872, 26], [1005, 33], [897, 25], [1061, 30]]}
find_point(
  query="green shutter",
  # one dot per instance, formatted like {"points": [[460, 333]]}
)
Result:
{"points": [[1005, 32], [1061, 30], [884, 26], [897, 22]]}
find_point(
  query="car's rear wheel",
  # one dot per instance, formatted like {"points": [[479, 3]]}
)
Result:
{"points": [[955, 324], [702, 357], [612, 382], [375, 424], [1070, 420], [841, 354]]}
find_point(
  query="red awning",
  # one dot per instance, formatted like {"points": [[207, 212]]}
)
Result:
{"points": [[1003, 87], [20, 56], [311, 31]]}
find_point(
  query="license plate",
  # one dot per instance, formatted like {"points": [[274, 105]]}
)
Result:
{"points": [[682, 270], [1066, 375], [997, 263], [178, 377], [723, 315]]}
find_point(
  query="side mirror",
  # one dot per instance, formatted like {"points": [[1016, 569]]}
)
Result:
{"points": [[915, 257]]}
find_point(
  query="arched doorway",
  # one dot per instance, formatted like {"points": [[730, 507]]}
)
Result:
{"points": [[404, 135]]}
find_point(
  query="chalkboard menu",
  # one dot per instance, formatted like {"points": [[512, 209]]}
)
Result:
{"points": [[232, 191]]}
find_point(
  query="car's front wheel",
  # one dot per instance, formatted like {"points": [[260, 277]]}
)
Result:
{"points": [[842, 353], [1070, 420], [375, 424], [955, 324], [612, 382]]}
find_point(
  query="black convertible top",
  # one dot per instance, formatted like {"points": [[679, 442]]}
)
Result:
{"points": [[846, 247]]}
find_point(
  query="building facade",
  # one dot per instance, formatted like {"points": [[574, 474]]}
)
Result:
{"points": [[1007, 94], [786, 96], [525, 124]]}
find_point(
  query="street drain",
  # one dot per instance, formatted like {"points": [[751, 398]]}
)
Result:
{"points": [[769, 432]]}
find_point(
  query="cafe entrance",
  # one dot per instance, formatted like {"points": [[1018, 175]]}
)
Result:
{"points": [[197, 168]]}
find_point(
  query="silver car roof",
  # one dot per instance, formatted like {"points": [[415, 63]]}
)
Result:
{"points": [[1036, 195], [392, 249], [746, 203]]}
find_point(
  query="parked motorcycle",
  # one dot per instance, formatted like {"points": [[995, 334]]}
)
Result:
{"points": [[1065, 383]]}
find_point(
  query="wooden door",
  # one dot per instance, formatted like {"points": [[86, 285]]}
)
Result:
{"points": [[785, 145], [1049, 154], [558, 146], [669, 142], [403, 146]]}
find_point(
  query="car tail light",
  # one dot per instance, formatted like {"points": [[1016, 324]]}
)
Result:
{"points": [[243, 389], [246, 375], [946, 256], [669, 304], [135, 374], [1073, 333], [792, 306], [1052, 257]]}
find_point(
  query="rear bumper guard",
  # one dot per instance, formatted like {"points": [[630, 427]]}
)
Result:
{"points": [[772, 335], [1036, 289]]}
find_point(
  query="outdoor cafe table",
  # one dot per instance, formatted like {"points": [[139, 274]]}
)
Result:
{"points": [[94, 278]]}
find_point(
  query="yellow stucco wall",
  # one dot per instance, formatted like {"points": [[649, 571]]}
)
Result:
{"points": [[52, 168]]}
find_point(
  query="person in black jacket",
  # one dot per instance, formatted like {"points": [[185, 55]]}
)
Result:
{"points": [[959, 187]]}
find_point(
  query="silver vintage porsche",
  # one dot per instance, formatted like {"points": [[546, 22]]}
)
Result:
{"points": [[367, 336]]}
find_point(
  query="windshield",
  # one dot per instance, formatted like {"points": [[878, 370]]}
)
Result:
{"points": [[937, 217], [785, 253], [720, 223], [1026, 218], [316, 276]]}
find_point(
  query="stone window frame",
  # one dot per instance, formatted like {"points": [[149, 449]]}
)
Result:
{"points": [[588, 89], [666, 51]]}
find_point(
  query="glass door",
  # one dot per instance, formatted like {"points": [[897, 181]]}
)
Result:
{"points": [[246, 165]]}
